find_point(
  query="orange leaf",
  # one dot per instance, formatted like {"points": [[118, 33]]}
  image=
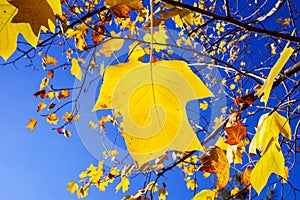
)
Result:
{"points": [[235, 133], [247, 99], [121, 10], [63, 94], [31, 124], [68, 116], [51, 118], [50, 74], [246, 177], [52, 105], [41, 93], [49, 60], [214, 161], [41, 106]]}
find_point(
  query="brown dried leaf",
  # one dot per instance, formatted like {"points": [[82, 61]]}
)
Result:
{"points": [[235, 133]]}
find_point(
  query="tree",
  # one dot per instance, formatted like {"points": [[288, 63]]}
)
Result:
{"points": [[239, 60]]}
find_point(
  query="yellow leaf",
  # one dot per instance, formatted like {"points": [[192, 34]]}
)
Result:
{"points": [[191, 184], [232, 86], [242, 64], [41, 106], [76, 69], [51, 118], [72, 187], [269, 127], [267, 86], [82, 192], [205, 195], [234, 191], [67, 116], [204, 105], [9, 31], [218, 121], [44, 83], [37, 14], [31, 124], [124, 184], [159, 39], [272, 161], [92, 124], [47, 60], [111, 45], [91, 169], [162, 194], [286, 174], [136, 51], [153, 105]]}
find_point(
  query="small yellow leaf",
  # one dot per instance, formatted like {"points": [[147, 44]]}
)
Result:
{"points": [[72, 187], [286, 174], [113, 153], [268, 84], [191, 184], [44, 83], [92, 124], [242, 64], [49, 60], [124, 184], [67, 116], [162, 194], [90, 170], [31, 124], [41, 106], [232, 86], [76, 69], [204, 105], [218, 121], [51, 118], [205, 195], [234, 191]]}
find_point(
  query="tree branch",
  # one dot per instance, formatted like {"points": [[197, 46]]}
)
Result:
{"points": [[235, 22]]}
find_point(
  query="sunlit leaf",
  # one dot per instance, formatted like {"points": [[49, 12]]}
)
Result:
{"points": [[49, 60], [205, 195], [121, 8], [235, 133], [267, 86], [31, 124], [41, 106], [246, 177], [191, 184], [111, 45], [124, 184], [272, 161], [72, 187], [269, 127], [168, 127], [52, 118], [214, 160], [234, 191], [162, 194], [204, 105], [37, 13], [76, 69], [44, 83]]}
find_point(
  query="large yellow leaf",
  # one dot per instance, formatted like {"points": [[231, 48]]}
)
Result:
{"points": [[152, 101], [37, 13], [9, 31], [267, 86], [272, 161], [269, 127], [205, 194]]}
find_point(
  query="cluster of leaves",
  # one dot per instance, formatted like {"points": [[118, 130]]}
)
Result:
{"points": [[217, 35]]}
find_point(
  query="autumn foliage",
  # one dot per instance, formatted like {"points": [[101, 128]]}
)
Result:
{"points": [[242, 73]]}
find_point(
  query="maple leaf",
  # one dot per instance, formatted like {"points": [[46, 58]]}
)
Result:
{"points": [[206, 194], [63, 94], [9, 31], [235, 133], [214, 160], [31, 124], [37, 13], [204, 105], [76, 69], [124, 184], [152, 112], [191, 184]]}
